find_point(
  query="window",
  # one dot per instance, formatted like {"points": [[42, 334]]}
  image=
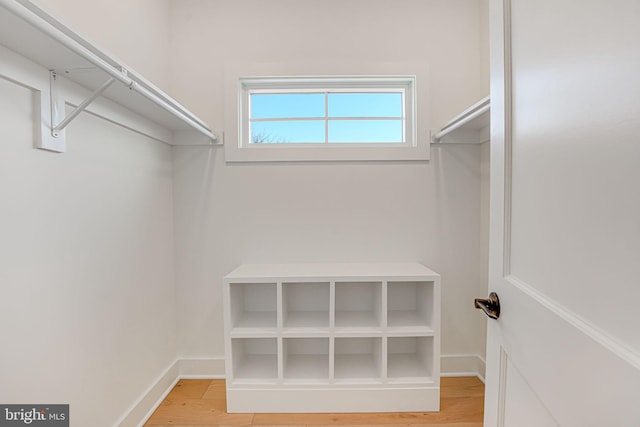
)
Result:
{"points": [[291, 115], [327, 111], [327, 116]]}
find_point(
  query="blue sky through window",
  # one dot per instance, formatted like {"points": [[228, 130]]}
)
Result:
{"points": [[359, 131], [287, 105], [349, 117], [365, 105]]}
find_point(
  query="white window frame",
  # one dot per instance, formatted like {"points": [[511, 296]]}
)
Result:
{"points": [[239, 85], [326, 86]]}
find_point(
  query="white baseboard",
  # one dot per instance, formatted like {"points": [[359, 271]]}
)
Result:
{"points": [[462, 365], [149, 401], [151, 398], [451, 365]]}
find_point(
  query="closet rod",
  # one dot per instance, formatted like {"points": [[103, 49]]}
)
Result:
{"points": [[471, 113], [37, 17]]}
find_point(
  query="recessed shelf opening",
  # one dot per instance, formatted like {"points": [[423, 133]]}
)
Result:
{"points": [[253, 305], [255, 358], [306, 359], [409, 358], [358, 358], [406, 304], [358, 304], [305, 305]]}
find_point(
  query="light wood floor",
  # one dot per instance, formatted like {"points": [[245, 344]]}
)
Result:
{"points": [[202, 403]]}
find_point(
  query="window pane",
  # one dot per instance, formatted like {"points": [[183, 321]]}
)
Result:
{"points": [[365, 104], [282, 132], [286, 105], [353, 131]]}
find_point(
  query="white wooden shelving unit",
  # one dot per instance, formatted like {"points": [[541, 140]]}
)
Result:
{"points": [[33, 33], [469, 127], [332, 338]]}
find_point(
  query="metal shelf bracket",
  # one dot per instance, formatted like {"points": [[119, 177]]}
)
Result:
{"points": [[58, 119]]}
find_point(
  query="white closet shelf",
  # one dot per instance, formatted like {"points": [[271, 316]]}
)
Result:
{"points": [[361, 337], [36, 35], [469, 127]]}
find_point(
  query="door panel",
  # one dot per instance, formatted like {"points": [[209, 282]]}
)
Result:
{"points": [[575, 148], [522, 407], [565, 209], [573, 372]]}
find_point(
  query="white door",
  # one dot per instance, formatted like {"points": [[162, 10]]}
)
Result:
{"points": [[565, 214]]}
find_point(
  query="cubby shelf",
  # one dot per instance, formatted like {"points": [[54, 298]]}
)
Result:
{"points": [[358, 304], [404, 304], [253, 305], [305, 305], [358, 358], [299, 336], [306, 360], [409, 358], [255, 359]]}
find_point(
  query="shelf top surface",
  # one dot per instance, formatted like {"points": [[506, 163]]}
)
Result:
{"points": [[333, 271]]}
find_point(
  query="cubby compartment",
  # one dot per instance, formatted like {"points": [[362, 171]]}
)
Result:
{"points": [[254, 359], [305, 305], [253, 305], [358, 304], [306, 360], [358, 359], [410, 304], [410, 359]]}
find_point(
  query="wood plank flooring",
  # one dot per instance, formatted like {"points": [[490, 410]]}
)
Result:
{"points": [[202, 403]]}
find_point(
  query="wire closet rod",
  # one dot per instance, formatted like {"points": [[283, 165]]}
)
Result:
{"points": [[40, 19]]}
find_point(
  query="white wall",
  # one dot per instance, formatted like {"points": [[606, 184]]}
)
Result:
{"points": [[136, 32], [87, 313], [228, 214], [484, 44]]}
